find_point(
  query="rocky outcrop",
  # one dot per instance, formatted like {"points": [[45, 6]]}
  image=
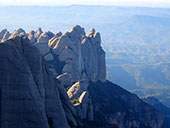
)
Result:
{"points": [[71, 57], [4, 34], [38, 32], [83, 60], [34, 35], [76, 60], [94, 57], [17, 32], [31, 37], [76, 90], [82, 54], [84, 106], [29, 95], [45, 37], [78, 94]]}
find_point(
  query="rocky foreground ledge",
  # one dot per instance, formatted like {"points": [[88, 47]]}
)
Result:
{"points": [[36, 70]]}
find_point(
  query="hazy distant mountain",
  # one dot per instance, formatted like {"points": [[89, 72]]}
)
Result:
{"points": [[136, 40]]}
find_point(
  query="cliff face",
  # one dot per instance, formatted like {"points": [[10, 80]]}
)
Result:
{"points": [[29, 95], [78, 61], [82, 54]]}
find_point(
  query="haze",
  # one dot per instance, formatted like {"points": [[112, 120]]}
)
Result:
{"points": [[150, 3]]}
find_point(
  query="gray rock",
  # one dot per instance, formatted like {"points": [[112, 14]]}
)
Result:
{"points": [[84, 60], [68, 107], [45, 37], [84, 107], [29, 96], [38, 32], [31, 36], [65, 79], [91, 32], [94, 57], [58, 34], [83, 56], [18, 32], [4, 34], [77, 90]]}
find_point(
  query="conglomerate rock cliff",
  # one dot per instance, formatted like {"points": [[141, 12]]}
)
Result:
{"points": [[77, 60], [82, 54], [29, 96]]}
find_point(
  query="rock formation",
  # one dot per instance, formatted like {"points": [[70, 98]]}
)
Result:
{"points": [[82, 54], [4, 34], [29, 95], [77, 60], [31, 36], [38, 32], [45, 37], [18, 31]]}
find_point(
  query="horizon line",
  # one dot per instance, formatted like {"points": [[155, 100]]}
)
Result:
{"points": [[113, 5]]}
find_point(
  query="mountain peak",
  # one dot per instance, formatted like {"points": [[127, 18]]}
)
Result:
{"points": [[91, 32], [17, 32]]}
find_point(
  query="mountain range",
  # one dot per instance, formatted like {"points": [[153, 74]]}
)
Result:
{"points": [[136, 40], [59, 80]]}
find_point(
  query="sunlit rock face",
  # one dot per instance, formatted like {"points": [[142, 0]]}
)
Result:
{"points": [[29, 95], [82, 54], [45, 37], [18, 31]]}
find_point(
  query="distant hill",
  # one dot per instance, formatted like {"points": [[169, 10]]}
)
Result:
{"points": [[155, 103]]}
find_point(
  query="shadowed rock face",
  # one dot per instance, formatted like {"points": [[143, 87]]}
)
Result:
{"points": [[29, 95], [155, 103], [115, 107], [4, 34]]}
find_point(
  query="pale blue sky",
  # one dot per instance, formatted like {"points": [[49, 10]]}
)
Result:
{"points": [[87, 2]]}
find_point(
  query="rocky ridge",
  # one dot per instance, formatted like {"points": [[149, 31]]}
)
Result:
{"points": [[155, 103], [78, 61], [30, 97]]}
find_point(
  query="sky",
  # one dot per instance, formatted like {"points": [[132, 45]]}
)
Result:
{"points": [[87, 2]]}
